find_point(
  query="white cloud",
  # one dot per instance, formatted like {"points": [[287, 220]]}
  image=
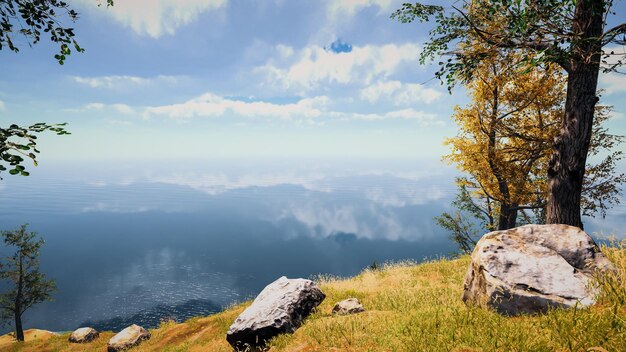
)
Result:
{"points": [[119, 122], [403, 195], [211, 105], [613, 83], [219, 183], [2, 106], [369, 221], [399, 93], [122, 81], [314, 66], [425, 119], [120, 108], [339, 14], [372, 216], [94, 106], [123, 109], [158, 17], [284, 51], [337, 219], [114, 208], [342, 8]]}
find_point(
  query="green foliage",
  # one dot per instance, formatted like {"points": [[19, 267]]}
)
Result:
{"points": [[601, 191], [18, 143], [462, 230], [20, 271], [602, 184], [541, 29], [450, 28], [33, 19], [374, 266]]}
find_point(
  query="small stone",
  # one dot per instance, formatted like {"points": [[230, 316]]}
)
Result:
{"points": [[127, 338], [348, 306], [279, 308], [83, 335]]}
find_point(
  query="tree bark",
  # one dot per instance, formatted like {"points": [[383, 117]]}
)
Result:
{"points": [[507, 213], [567, 165], [19, 330], [508, 216]]}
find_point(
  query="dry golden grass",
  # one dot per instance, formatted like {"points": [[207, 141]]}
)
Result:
{"points": [[29, 335], [409, 308]]}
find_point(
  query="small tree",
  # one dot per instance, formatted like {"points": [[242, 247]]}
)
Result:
{"points": [[462, 230], [27, 285]]}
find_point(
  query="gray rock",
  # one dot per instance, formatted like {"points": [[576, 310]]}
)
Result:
{"points": [[83, 335], [127, 338], [279, 308], [531, 268], [348, 306]]}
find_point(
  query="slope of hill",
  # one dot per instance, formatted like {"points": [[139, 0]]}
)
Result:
{"points": [[409, 308]]}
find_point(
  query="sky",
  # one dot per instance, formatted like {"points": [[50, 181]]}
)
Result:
{"points": [[188, 79]]}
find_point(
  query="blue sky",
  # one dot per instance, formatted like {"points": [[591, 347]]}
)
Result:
{"points": [[225, 79]]}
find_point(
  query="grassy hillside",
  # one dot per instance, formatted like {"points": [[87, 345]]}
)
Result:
{"points": [[410, 308]]}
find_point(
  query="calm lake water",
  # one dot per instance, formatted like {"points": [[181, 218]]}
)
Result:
{"points": [[141, 242]]}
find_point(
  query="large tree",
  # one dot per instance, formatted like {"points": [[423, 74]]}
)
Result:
{"points": [[29, 21], [476, 210], [27, 285], [570, 34], [504, 144]]}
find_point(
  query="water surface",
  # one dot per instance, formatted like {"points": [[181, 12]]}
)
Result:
{"points": [[140, 243]]}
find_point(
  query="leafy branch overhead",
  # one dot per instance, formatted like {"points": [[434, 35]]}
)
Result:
{"points": [[32, 19], [18, 143], [542, 29]]}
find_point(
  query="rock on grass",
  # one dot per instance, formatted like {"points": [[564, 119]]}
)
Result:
{"points": [[532, 268], [279, 308]]}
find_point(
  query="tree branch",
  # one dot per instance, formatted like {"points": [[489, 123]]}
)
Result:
{"points": [[514, 43], [610, 34], [521, 207]]}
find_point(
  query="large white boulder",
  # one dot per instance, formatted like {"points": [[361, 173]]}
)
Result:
{"points": [[279, 308], [83, 335], [127, 338], [531, 268]]}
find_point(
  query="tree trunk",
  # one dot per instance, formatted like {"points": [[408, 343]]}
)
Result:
{"points": [[508, 216], [567, 165], [19, 331], [503, 185]]}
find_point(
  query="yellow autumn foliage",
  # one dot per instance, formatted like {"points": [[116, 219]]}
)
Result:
{"points": [[505, 132]]}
